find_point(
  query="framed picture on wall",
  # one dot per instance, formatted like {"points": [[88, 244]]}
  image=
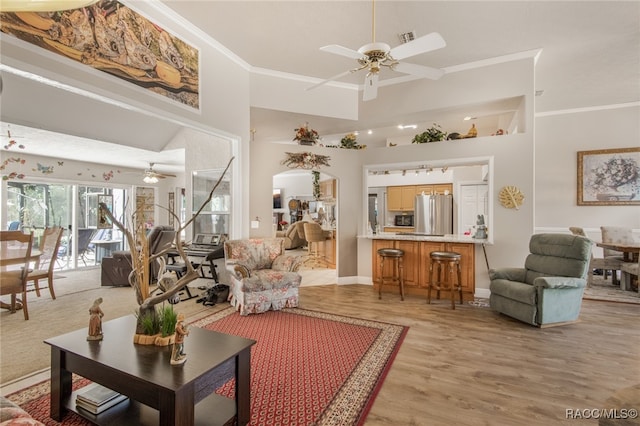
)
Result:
{"points": [[609, 177], [104, 222]]}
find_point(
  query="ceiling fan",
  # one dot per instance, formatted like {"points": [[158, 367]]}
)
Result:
{"points": [[151, 176], [374, 55]]}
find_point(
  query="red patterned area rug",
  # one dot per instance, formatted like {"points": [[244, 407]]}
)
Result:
{"points": [[308, 368]]}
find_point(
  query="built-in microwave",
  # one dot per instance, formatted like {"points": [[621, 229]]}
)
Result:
{"points": [[404, 220]]}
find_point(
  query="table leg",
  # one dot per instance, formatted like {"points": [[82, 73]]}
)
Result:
{"points": [[243, 387], [4, 305], [61, 383], [177, 409], [625, 280]]}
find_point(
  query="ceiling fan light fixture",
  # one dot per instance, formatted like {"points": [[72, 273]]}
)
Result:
{"points": [[150, 179], [374, 55], [376, 50]]}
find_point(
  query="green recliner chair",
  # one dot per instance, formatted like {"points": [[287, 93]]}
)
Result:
{"points": [[548, 290]]}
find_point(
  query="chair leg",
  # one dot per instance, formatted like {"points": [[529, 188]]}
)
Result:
{"points": [[13, 303], [24, 304], [401, 269], [452, 288], [36, 286], [381, 262], [459, 281], [430, 282], [440, 278], [50, 281]]}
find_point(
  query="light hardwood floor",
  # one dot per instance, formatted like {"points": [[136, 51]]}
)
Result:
{"points": [[472, 366]]}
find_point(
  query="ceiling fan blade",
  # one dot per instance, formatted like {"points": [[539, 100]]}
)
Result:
{"points": [[335, 77], [423, 44], [370, 87], [418, 70], [342, 51]]}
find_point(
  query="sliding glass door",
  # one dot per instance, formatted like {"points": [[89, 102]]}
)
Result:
{"points": [[34, 206]]}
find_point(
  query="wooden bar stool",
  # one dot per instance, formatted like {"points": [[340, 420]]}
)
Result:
{"points": [[441, 259], [396, 255]]}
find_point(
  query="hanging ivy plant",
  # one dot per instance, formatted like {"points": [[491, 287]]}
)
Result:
{"points": [[315, 179]]}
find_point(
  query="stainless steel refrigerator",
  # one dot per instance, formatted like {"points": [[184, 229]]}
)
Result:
{"points": [[434, 214]]}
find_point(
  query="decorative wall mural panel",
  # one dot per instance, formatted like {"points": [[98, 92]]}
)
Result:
{"points": [[112, 38]]}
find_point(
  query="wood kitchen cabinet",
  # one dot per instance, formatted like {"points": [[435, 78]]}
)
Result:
{"points": [[416, 265], [329, 253], [438, 188], [411, 263], [467, 264], [328, 189], [401, 198]]}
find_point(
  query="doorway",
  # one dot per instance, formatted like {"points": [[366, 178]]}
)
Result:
{"points": [[307, 196], [474, 201]]}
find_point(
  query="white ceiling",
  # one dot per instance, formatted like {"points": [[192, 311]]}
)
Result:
{"points": [[590, 56]]}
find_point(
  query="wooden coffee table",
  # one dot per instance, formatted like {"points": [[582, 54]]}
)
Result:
{"points": [[159, 393]]}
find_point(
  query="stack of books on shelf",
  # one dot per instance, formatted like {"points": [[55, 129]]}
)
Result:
{"points": [[96, 398]]}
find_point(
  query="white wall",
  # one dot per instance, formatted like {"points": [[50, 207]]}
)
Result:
{"points": [[559, 136]]}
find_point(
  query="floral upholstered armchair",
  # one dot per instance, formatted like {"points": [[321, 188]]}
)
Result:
{"points": [[263, 277]]}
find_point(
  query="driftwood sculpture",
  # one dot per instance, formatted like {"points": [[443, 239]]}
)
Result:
{"points": [[140, 277]]}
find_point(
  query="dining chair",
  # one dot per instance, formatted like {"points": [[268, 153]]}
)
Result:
{"points": [[85, 235], [619, 235], [607, 266], [13, 276], [45, 264]]}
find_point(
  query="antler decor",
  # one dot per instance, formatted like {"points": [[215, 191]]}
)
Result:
{"points": [[305, 160], [140, 277]]}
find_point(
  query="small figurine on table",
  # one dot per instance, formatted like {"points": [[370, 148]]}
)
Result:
{"points": [[177, 355], [95, 320]]}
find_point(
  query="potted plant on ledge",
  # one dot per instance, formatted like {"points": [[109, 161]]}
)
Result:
{"points": [[432, 134], [306, 136], [348, 141]]}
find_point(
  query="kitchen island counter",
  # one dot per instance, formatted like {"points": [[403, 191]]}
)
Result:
{"points": [[417, 250], [448, 238]]}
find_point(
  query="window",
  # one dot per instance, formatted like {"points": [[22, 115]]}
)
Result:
{"points": [[215, 216]]}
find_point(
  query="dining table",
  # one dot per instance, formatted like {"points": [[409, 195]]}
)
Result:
{"points": [[15, 256], [630, 253]]}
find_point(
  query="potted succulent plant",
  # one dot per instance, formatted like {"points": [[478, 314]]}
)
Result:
{"points": [[158, 329], [432, 134]]}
